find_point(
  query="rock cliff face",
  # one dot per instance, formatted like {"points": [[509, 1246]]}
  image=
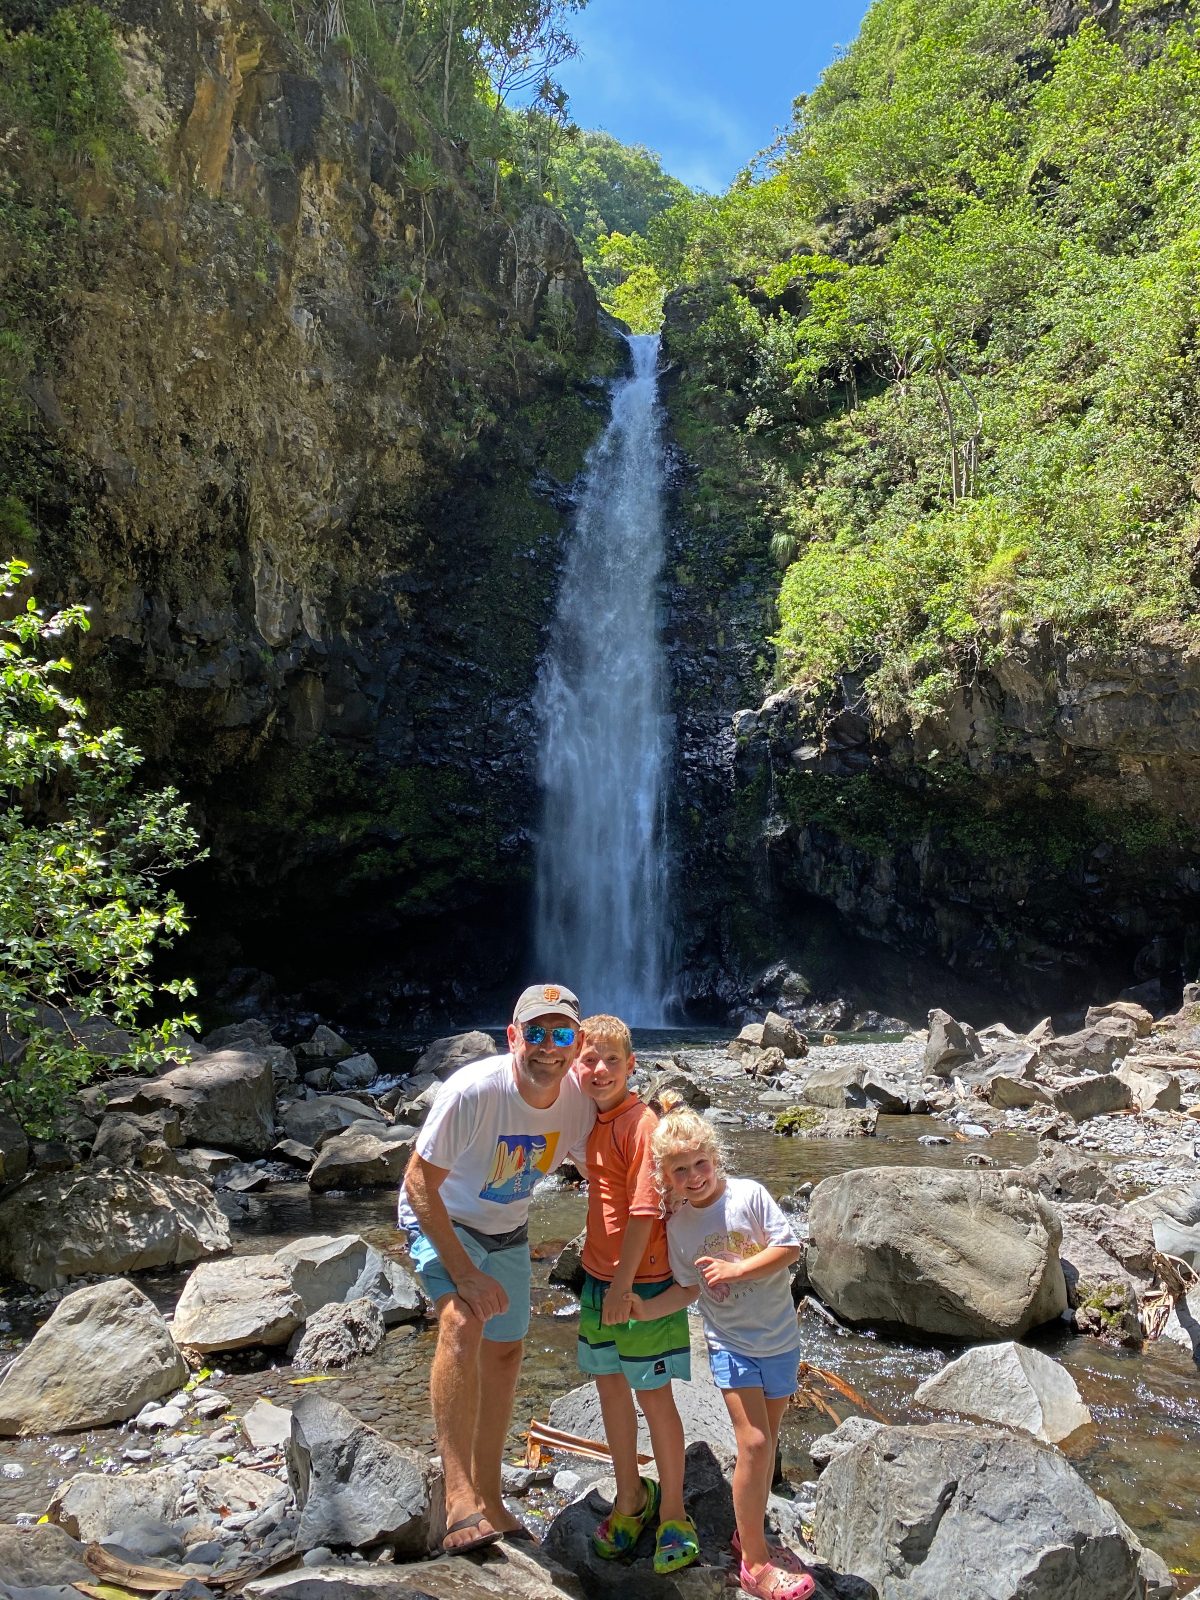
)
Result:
{"points": [[1036, 840], [304, 436]]}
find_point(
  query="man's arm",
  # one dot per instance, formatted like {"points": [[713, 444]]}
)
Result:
{"points": [[482, 1294]]}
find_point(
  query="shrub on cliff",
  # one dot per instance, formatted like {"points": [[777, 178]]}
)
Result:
{"points": [[83, 901]]}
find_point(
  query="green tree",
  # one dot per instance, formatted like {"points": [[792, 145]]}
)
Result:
{"points": [[84, 899], [603, 186]]}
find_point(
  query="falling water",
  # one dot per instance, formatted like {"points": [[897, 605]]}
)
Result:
{"points": [[602, 876]]}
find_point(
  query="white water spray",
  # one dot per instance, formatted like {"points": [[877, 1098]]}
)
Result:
{"points": [[602, 914]]}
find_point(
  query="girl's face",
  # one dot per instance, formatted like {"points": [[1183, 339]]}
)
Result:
{"points": [[693, 1176]]}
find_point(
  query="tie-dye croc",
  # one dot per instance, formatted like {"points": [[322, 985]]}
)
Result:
{"points": [[618, 1533], [676, 1546]]}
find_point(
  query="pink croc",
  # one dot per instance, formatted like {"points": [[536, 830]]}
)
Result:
{"points": [[780, 1554], [770, 1582]]}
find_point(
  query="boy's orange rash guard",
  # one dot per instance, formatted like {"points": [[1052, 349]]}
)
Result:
{"points": [[621, 1184]]}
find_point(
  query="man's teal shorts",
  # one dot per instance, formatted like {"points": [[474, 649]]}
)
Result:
{"points": [[510, 1268], [648, 1354]]}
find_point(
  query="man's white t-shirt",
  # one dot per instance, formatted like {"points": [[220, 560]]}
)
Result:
{"points": [[495, 1144], [756, 1317]]}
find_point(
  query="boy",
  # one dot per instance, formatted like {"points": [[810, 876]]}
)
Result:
{"points": [[625, 1254]]}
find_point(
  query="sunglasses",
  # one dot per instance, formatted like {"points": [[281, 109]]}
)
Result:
{"points": [[560, 1038]]}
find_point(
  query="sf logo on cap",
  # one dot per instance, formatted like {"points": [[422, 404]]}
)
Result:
{"points": [[551, 994]]}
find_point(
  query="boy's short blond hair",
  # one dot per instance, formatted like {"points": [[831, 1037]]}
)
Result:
{"points": [[611, 1029], [685, 1129]]}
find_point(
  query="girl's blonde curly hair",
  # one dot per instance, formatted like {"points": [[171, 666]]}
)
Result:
{"points": [[681, 1129]]}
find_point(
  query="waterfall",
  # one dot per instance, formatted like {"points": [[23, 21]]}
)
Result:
{"points": [[602, 907]]}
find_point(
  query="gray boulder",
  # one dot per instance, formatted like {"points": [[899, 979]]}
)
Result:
{"points": [[325, 1267], [1089, 1050], [226, 1099], [840, 1089], [237, 1489], [311, 1121], [325, 1045], [924, 1513], [354, 1487], [356, 1072], [366, 1156], [1174, 1217], [455, 1050], [230, 1305], [63, 1225], [252, 1034], [1151, 1088], [1091, 1095], [1126, 1012], [847, 1434], [780, 1034], [337, 1335], [104, 1353], [681, 1086], [122, 1137], [14, 1151], [1061, 1173], [816, 1122], [41, 1555], [567, 1271], [949, 1045], [1012, 1385], [707, 1501], [1183, 1325], [969, 1255], [92, 1504]]}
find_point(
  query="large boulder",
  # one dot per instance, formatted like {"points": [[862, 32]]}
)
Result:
{"points": [[780, 1034], [455, 1050], [104, 1353], [66, 1224], [366, 1156], [92, 1505], [968, 1255], [1183, 1325], [326, 1268], [226, 1099], [229, 1305], [337, 1335], [1065, 1174], [1012, 1385], [925, 1513], [43, 1555], [950, 1045], [1174, 1217], [841, 1088], [1134, 1018], [1095, 1049], [1093, 1094], [312, 1121], [817, 1122], [1151, 1088], [353, 1486]]}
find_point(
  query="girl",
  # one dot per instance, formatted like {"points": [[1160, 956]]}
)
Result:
{"points": [[730, 1246]]}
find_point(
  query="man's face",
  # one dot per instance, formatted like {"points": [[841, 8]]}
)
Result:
{"points": [[603, 1072], [543, 1066]]}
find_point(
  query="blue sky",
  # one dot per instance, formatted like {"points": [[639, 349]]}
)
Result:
{"points": [[704, 82]]}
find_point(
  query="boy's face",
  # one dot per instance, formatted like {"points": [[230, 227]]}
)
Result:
{"points": [[603, 1071]]}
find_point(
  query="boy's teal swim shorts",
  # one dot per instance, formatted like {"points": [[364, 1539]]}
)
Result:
{"points": [[649, 1354]]}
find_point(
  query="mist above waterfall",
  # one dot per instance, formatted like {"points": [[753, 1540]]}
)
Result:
{"points": [[602, 889]]}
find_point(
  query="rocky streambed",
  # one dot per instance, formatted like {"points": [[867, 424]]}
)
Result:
{"points": [[226, 1415]]}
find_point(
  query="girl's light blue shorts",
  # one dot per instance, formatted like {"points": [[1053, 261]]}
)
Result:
{"points": [[774, 1375], [510, 1268]]}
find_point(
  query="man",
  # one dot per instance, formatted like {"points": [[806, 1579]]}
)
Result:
{"points": [[496, 1127]]}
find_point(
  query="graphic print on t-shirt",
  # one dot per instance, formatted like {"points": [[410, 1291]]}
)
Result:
{"points": [[732, 1246], [520, 1160]]}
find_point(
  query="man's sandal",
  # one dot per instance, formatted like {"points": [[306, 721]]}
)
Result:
{"points": [[770, 1582], [473, 1521], [618, 1533], [675, 1546]]}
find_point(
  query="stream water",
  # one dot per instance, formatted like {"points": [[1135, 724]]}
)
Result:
{"points": [[602, 892], [1142, 1452]]}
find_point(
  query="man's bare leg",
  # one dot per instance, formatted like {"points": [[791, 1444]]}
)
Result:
{"points": [[499, 1369], [454, 1397]]}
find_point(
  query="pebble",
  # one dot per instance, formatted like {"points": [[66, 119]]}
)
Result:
{"points": [[568, 1482], [12, 1469], [212, 1406]]}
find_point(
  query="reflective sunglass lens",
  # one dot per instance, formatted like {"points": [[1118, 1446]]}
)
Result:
{"points": [[562, 1038]]}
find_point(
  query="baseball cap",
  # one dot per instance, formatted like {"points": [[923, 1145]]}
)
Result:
{"points": [[540, 999]]}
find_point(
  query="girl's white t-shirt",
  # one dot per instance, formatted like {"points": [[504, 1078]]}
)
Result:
{"points": [[755, 1317]]}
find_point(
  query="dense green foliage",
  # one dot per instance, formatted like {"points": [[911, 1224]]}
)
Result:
{"points": [[84, 903], [945, 343], [611, 193]]}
